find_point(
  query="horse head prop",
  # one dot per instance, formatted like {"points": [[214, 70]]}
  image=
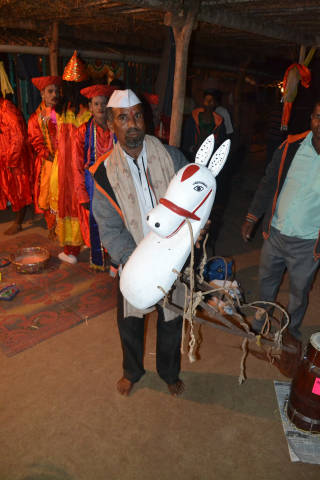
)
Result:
{"points": [[165, 249]]}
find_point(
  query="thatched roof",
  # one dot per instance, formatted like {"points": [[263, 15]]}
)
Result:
{"points": [[228, 29]]}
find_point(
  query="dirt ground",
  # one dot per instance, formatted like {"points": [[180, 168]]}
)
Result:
{"points": [[61, 417]]}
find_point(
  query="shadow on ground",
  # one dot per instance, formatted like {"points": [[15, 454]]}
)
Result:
{"points": [[254, 397], [47, 472]]}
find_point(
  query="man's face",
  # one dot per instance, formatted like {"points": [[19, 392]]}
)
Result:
{"points": [[98, 107], [315, 122], [128, 126], [209, 103], [50, 95]]}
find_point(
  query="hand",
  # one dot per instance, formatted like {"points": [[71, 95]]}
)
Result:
{"points": [[203, 232], [86, 205], [50, 158], [246, 230]]}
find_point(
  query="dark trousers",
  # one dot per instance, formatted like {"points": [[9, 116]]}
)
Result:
{"points": [[131, 331], [280, 252]]}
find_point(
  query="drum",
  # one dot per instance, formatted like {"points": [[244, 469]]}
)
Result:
{"points": [[303, 406]]}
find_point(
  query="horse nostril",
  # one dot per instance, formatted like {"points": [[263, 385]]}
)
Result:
{"points": [[147, 217], [157, 225]]}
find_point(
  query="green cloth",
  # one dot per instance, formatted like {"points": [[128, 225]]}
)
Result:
{"points": [[297, 212], [205, 129]]}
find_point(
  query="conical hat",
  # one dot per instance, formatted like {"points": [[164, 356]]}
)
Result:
{"points": [[76, 70]]}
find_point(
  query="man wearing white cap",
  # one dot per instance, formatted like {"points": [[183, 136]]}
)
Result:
{"points": [[129, 181]]}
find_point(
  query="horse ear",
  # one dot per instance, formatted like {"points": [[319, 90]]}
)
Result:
{"points": [[219, 158], [205, 151]]}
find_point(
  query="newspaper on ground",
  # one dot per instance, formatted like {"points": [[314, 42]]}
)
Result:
{"points": [[303, 446]]}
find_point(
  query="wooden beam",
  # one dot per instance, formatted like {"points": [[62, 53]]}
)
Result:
{"points": [[85, 54], [182, 36]]}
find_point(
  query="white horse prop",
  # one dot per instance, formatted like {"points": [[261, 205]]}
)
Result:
{"points": [[166, 247]]}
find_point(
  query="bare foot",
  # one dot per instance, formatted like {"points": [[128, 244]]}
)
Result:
{"points": [[35, 218], [51, 235], [124, 387], [176, 388], [16, 228]]}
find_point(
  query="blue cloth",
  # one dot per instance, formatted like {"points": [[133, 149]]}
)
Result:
{"points": [[27, 68], [297, 213], [97, 252]]}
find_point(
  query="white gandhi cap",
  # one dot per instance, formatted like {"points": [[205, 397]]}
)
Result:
{"points": [[123, 99]]}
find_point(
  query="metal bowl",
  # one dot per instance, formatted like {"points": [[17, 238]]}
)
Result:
{"points": [[20, 259]]}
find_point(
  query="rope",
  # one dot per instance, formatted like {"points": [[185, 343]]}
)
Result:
{"points": [[166, 299], [189, 314], [242, 376], [184, 318], [192, 301], [203, 261]]}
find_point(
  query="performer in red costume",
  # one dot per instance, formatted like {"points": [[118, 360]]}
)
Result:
{"points": [[93, 139], [42, 136], [70, 113], [16, 163]]}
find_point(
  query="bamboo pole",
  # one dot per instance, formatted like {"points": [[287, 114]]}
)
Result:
{"points": [[53, 48], [182, 28]]}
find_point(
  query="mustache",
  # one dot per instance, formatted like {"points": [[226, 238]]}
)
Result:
{"points": [[134, 130]]}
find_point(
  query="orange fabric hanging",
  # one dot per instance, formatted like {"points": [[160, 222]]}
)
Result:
{"points": [[291, 79], [16, 158], [305, 75]]}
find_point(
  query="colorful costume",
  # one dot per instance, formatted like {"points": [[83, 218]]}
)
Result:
{"points": [[91, 142], [63, 199], [16, 159], [42, 136]]}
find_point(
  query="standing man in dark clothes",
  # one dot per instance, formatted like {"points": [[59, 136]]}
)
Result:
{"points": [[200, 124], [129, 182], [289, 199]]}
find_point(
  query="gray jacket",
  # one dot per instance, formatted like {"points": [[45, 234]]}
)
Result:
{"points": [[115, 238]]}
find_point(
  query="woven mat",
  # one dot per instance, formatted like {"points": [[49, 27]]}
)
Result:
{"points": [[52, 301]]}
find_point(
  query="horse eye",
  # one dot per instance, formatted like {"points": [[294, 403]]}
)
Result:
{"points": [[198, 188]]}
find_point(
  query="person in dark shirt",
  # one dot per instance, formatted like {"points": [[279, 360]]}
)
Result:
{"points": [[275, 136], [200, 124]]}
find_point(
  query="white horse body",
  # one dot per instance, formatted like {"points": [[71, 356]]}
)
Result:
{"points": [[167, 246]]}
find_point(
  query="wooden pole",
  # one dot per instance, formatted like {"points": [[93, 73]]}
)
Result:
{"points": [[182, 28], [53, 48]]}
